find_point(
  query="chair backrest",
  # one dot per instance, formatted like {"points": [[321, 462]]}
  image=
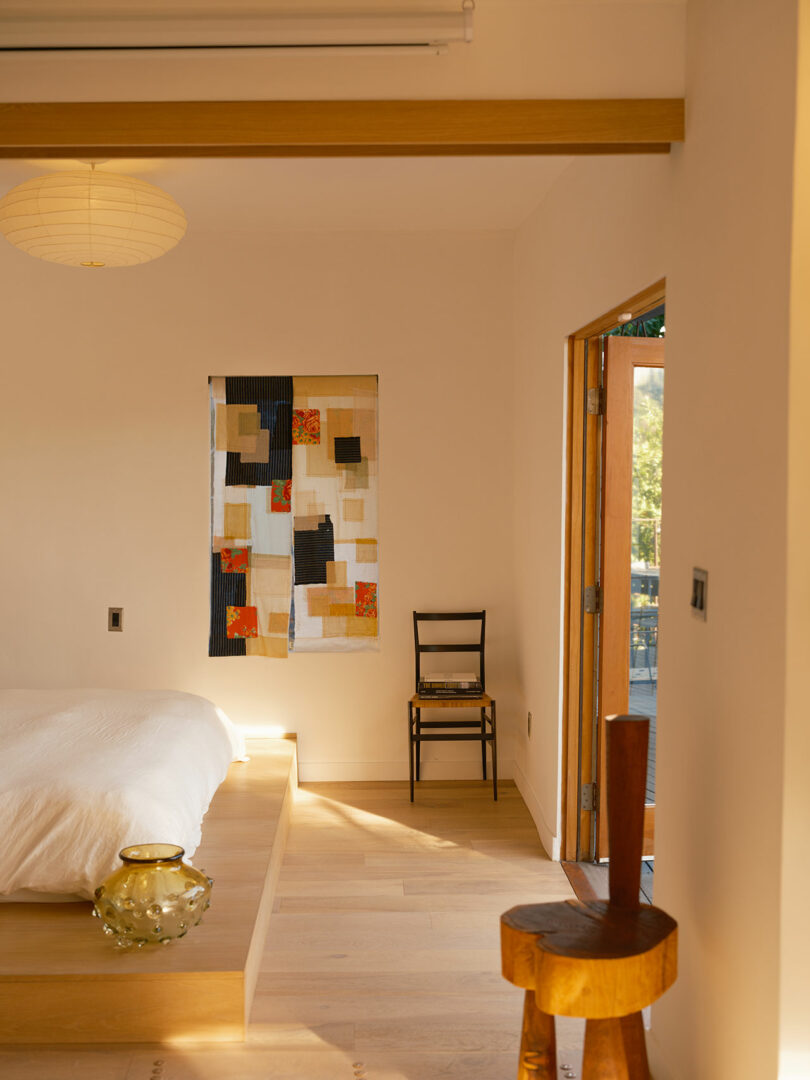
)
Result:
{"points": [[449, 647]]}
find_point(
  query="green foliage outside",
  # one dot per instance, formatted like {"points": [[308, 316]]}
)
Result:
{"points": [[639, 328], [648, 430]]}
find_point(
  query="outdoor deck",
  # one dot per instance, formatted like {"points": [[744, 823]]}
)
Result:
{"points": [[643, 703]]}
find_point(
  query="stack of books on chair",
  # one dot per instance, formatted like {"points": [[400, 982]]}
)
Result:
{"points": [[454, 684]]}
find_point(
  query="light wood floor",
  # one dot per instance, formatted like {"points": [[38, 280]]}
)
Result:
{"points": [[383, 959]]}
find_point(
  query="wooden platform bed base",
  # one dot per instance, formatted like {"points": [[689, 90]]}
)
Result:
{"points": [[63, 981]]}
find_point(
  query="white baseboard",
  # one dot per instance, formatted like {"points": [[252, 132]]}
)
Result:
{"points": [[659, 1069], [311, 772], [550, 841]]}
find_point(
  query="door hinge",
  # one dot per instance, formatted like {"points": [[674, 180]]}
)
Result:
{"points": [[589, 800], [593, 600], [596, 401]]}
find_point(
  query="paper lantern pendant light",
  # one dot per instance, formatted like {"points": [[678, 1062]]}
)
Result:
{"points": [[91, 219]]}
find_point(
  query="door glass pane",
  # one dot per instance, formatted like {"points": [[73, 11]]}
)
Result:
{"points": [[648, 425]]}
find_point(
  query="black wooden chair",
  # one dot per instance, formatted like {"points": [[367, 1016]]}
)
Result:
{"points": [[420, 730]]}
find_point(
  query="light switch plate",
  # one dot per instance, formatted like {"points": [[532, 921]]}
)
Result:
{"points": [[115, 618]]}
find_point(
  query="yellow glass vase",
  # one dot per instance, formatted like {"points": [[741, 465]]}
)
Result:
{"points": [[153, 898]]}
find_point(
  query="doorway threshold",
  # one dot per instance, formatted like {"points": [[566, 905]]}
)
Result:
{"points": [[590, 880]]}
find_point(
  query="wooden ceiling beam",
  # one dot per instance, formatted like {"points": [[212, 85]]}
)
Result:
{"points": [[338, 128]]}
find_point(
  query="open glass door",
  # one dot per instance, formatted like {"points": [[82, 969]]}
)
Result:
{"points": [[630, 549]]}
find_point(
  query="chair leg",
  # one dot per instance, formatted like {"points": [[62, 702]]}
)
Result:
{"points": [[538, 1043], [410, 744], [494, 754], [615, 1050], [484, 742], [418, 744]]}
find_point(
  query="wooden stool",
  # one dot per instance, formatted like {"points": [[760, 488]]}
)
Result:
{"points": [[602, 960]]}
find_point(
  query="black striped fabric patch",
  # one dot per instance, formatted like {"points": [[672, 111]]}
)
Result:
{"points": [[273, 396], [347, 449], [226, 590], [313, 549]]}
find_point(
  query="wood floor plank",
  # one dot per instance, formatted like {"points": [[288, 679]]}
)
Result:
{"points": [[383, 873], [288, 926], [487, 984], [46, 1063], [393, 958], [245, 1063], [305, 858], [312, 1034], [494, 904], [472, 883], [350, 887], [479, 1035], [410, 861], [417, 1006]]}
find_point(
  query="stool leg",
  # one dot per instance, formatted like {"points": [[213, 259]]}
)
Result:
{"points": [[538, 1043], [615, 1050], [604, 1051], [410, 744], [483, 743], [635, 1047]]}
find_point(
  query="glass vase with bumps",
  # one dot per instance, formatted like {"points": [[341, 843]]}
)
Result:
{"points": [[153, 898]]}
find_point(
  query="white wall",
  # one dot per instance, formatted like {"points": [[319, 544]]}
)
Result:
{"points": [[598, 238], [104, 483], [731, 839], [722, 682]]}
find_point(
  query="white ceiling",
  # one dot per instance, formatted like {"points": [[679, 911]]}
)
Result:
{"points": [[334, 194]]}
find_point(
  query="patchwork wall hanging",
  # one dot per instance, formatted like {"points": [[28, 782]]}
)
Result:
{"points": [[294, 560]]}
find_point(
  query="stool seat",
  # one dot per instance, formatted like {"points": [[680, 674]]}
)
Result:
{"points": [[483, 701], [589, 959]]}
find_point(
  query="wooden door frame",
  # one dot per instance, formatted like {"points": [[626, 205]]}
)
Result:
{"points": [[581, 554]]}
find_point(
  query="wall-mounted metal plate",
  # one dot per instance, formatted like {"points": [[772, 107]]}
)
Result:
{"points": [[700, 592], [115, 618]]}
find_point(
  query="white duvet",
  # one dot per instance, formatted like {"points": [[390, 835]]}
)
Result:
{"points": [[84, 773]]}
